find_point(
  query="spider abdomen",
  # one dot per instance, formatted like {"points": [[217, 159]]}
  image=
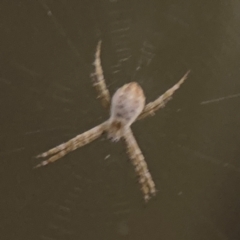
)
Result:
{"points": [[127, 103]]}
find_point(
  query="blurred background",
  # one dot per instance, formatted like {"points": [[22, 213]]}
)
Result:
{"points": [[191, 146]]}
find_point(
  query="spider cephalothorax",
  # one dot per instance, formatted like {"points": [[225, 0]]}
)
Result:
{"points": [[127, 105]]}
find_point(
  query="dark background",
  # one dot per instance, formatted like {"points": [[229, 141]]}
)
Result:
{"points": [[191, 146]]}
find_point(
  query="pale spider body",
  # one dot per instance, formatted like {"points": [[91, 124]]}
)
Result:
{"points": [[127, 104]]}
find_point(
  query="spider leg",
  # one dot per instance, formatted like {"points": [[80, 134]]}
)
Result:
{"points": [[98, 79], [140, 166], [71, 145], [161, 101]]}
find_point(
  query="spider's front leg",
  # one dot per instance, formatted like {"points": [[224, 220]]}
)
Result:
{"points": [[98, 78], [161, 101], [140, 165], [80, 140]]}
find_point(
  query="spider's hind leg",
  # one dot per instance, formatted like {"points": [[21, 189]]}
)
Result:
{"points": [[161, 101], [98, 79]]}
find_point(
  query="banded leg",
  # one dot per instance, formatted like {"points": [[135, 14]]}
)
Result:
{"points": [[161, 101], [98, 79], [71, 145], [140, 165]]}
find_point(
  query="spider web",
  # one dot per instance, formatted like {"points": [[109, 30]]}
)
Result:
{"points": [[191, 146]]}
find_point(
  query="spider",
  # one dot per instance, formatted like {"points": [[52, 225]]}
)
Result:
{"points": [[127, 106]]}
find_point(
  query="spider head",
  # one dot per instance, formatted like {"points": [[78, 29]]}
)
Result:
{"points": [[116, 130]]}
